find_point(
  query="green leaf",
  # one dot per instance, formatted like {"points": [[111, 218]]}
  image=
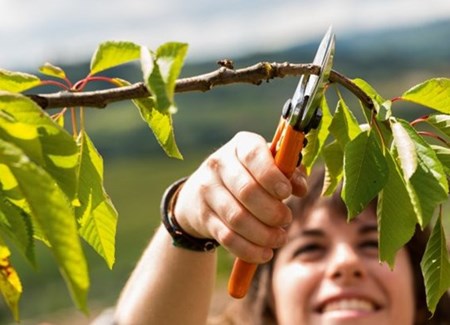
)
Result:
{"points": [[155, 82], [161, 125], [159, 122], [53, 212], [90, 175], [396, 215], [365, 172], [16, 224], [436, 266], [61, 152], [96, 214], [23, 136], [433, 93], [99, 229], [317, 137], [443, 154], [334, 157], [440, 122], [344, 126], [369, 90], [17, 81], [61, 159], [52, 71], [406, 149], [428, 185], [113, 53], [170, 59], [10, 285], [382, 106], [161, 72]]}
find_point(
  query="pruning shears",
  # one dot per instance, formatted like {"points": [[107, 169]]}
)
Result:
{"points": [[300, 114]]}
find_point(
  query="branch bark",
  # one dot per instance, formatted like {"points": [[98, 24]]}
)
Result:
{"points": [[254, 74]]}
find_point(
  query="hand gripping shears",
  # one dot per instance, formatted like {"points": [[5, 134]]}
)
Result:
{"points": [[300, 114]]}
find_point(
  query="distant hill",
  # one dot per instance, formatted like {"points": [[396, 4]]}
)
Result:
{"points": [[392, 60]]}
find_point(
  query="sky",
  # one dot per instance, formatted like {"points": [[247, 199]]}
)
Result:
{"points": [[36, 31]]}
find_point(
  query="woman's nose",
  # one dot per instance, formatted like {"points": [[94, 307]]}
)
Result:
{"points": [[345, 265]]}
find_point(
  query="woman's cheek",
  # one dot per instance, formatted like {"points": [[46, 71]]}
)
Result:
{"points": [[294, 284]]}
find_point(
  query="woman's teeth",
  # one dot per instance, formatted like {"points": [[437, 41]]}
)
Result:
{"points": [[349, 304]]}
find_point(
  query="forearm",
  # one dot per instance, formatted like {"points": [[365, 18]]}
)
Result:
{"points": [[170, 285]]}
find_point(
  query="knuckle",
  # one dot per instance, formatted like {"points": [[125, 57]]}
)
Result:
{"points": [[226, 237], [245, 189], [280, 215], [235, 217], [250, 154], [213, 163]]}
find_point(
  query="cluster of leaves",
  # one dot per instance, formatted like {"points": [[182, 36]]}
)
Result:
{"points": [[392, 160], [51, 180]]}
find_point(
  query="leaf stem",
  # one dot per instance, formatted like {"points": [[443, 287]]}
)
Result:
{"points": [[377, 128], [419, 120], [81, 84], [74, 122], [54, 83], [435, 136]]}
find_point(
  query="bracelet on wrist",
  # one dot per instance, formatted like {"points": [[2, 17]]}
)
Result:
{"points": [[179, 237]]}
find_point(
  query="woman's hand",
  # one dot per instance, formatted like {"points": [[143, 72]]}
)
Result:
{"points": [[236, 195]]}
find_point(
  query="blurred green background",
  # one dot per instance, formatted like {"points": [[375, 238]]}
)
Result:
{"points": [[137, 171]]}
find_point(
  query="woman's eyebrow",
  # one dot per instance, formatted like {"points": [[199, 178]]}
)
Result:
{"points": [[368, 228], [312, 233]]}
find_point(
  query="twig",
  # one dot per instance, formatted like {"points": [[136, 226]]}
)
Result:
{"points": [[254, 74]]}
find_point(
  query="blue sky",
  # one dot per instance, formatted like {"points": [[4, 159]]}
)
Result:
{"points": [[35, 31]]}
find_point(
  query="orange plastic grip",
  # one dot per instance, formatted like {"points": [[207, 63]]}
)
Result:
{"points": [[286, 147], [241, 278]]}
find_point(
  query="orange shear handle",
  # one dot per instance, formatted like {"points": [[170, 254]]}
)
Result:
{"points": [[286, 147]]}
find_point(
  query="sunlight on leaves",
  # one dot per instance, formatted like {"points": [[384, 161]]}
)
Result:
{"points": [[96, 215], [433, 93], [61, 152], [170, 58], [113, 53], [405, 148], [53, 212], [443, 154], [160, 124], [53, 71], [16, 224], [17, 82], [440, 122]]}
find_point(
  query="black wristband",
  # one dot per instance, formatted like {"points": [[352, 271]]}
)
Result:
{"points": [[179, 236]]}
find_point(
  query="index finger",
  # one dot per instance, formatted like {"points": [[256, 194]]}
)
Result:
{"points": [[254, 154]]}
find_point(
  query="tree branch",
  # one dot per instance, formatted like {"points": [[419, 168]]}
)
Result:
{"points": [[254, 74]]}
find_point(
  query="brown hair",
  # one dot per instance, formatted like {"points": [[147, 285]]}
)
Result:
{"points": [[257, 307]]}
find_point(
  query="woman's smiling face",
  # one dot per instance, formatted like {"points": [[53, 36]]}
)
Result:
{"points": [[329, 273]]}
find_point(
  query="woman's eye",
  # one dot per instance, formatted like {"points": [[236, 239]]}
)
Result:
{"points": [[369, 244], [308, 250]]}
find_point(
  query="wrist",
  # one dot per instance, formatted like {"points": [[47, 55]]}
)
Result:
{"points": [[181, 238]]}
